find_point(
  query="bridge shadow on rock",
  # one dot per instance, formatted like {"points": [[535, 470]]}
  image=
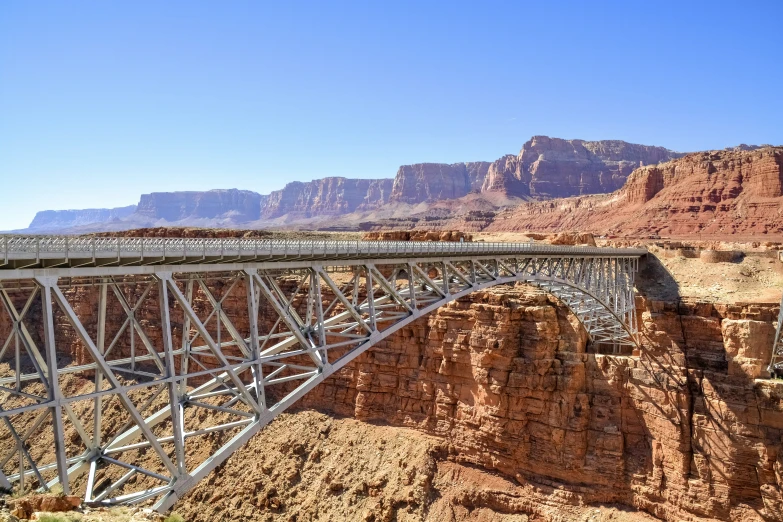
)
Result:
{"points": [[682, 429], [504, 378], [712, 417]]}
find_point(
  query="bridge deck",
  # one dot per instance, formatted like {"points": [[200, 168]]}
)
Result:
{"points": [[19, 252]]}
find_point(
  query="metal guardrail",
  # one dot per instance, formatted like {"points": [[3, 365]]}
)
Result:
{"points": [[64, 247]]}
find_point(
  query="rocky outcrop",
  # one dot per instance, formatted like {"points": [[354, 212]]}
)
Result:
{"points": [[505, 176], [434, 181], [681, 431], [717, 193], [233, 204], [58, 219], [554, 168], [187, 232], [327, 196], [417, 235], [544, 168]]}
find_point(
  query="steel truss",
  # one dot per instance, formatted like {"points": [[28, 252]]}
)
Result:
{"points": [[166, 374]]}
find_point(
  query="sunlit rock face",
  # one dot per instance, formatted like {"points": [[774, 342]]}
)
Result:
{"points": [[240, 205], [327, 196]]}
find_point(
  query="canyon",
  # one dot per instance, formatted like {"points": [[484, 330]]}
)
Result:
{"points": [[551, 186], [496, 408], [721, 194], [513, 404], [734, 193], [545, 168]]}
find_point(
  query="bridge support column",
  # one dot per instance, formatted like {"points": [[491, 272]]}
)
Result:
{"points": [[52, 375]]}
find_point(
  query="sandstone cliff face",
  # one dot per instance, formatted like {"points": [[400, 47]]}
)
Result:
{"points": [[57, 219], [239, 205], [722, 193], [554, 168], [434, 181], [544, 168], [714, 178], [327, 196], [681, 431], [505, 176]]}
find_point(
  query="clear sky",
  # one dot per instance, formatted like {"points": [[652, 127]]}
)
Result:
{"points": [[102, 101]]}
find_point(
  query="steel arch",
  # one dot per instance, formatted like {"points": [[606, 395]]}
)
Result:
{"points": [[241, 341]]}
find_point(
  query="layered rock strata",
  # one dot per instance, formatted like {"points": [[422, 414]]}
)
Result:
{"points": [[417, 235], [327, 196], [717, 193], [434, 181], [544, 168], [238, 205], [682, 431], [555, 168], [47, 220]]}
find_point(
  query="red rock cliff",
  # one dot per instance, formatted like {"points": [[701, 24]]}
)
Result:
{"points": [[720, 192], [682, 431], [241, 205], [327, 196], [553, 167], [434, 181]]}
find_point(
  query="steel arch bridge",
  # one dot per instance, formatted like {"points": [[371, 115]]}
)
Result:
{"points": [[114, 350]]}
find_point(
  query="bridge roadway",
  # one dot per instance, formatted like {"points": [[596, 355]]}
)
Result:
{"points": [[128, 356]]}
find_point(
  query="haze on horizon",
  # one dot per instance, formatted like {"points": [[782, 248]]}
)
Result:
{"points": [[100, 102]]}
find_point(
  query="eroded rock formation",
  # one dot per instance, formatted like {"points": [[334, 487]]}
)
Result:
{"points": [[237, 205], [555, 168], [417, 235], [716, 193], [544, 168], [47, 220], [681, 431], [327, 196], [434, 181]]}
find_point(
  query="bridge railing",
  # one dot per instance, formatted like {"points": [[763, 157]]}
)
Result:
{"points": [[47, 247]]}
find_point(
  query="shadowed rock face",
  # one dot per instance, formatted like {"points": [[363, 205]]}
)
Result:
{"points": [[240, 205], [327, 196]]}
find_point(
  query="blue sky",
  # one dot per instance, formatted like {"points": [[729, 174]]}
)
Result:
{"points": [[103, 101]]}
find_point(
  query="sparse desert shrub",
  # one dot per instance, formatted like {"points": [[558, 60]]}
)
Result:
{"points": [[51, 517], [174, 517]]}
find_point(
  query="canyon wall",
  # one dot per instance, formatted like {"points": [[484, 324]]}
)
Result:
{"points": [[233, 204], [544, 168], [434, 181], [504, 378], [327, 196], [47, 220], [719, 193], [555, 168], [682, 431]]}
